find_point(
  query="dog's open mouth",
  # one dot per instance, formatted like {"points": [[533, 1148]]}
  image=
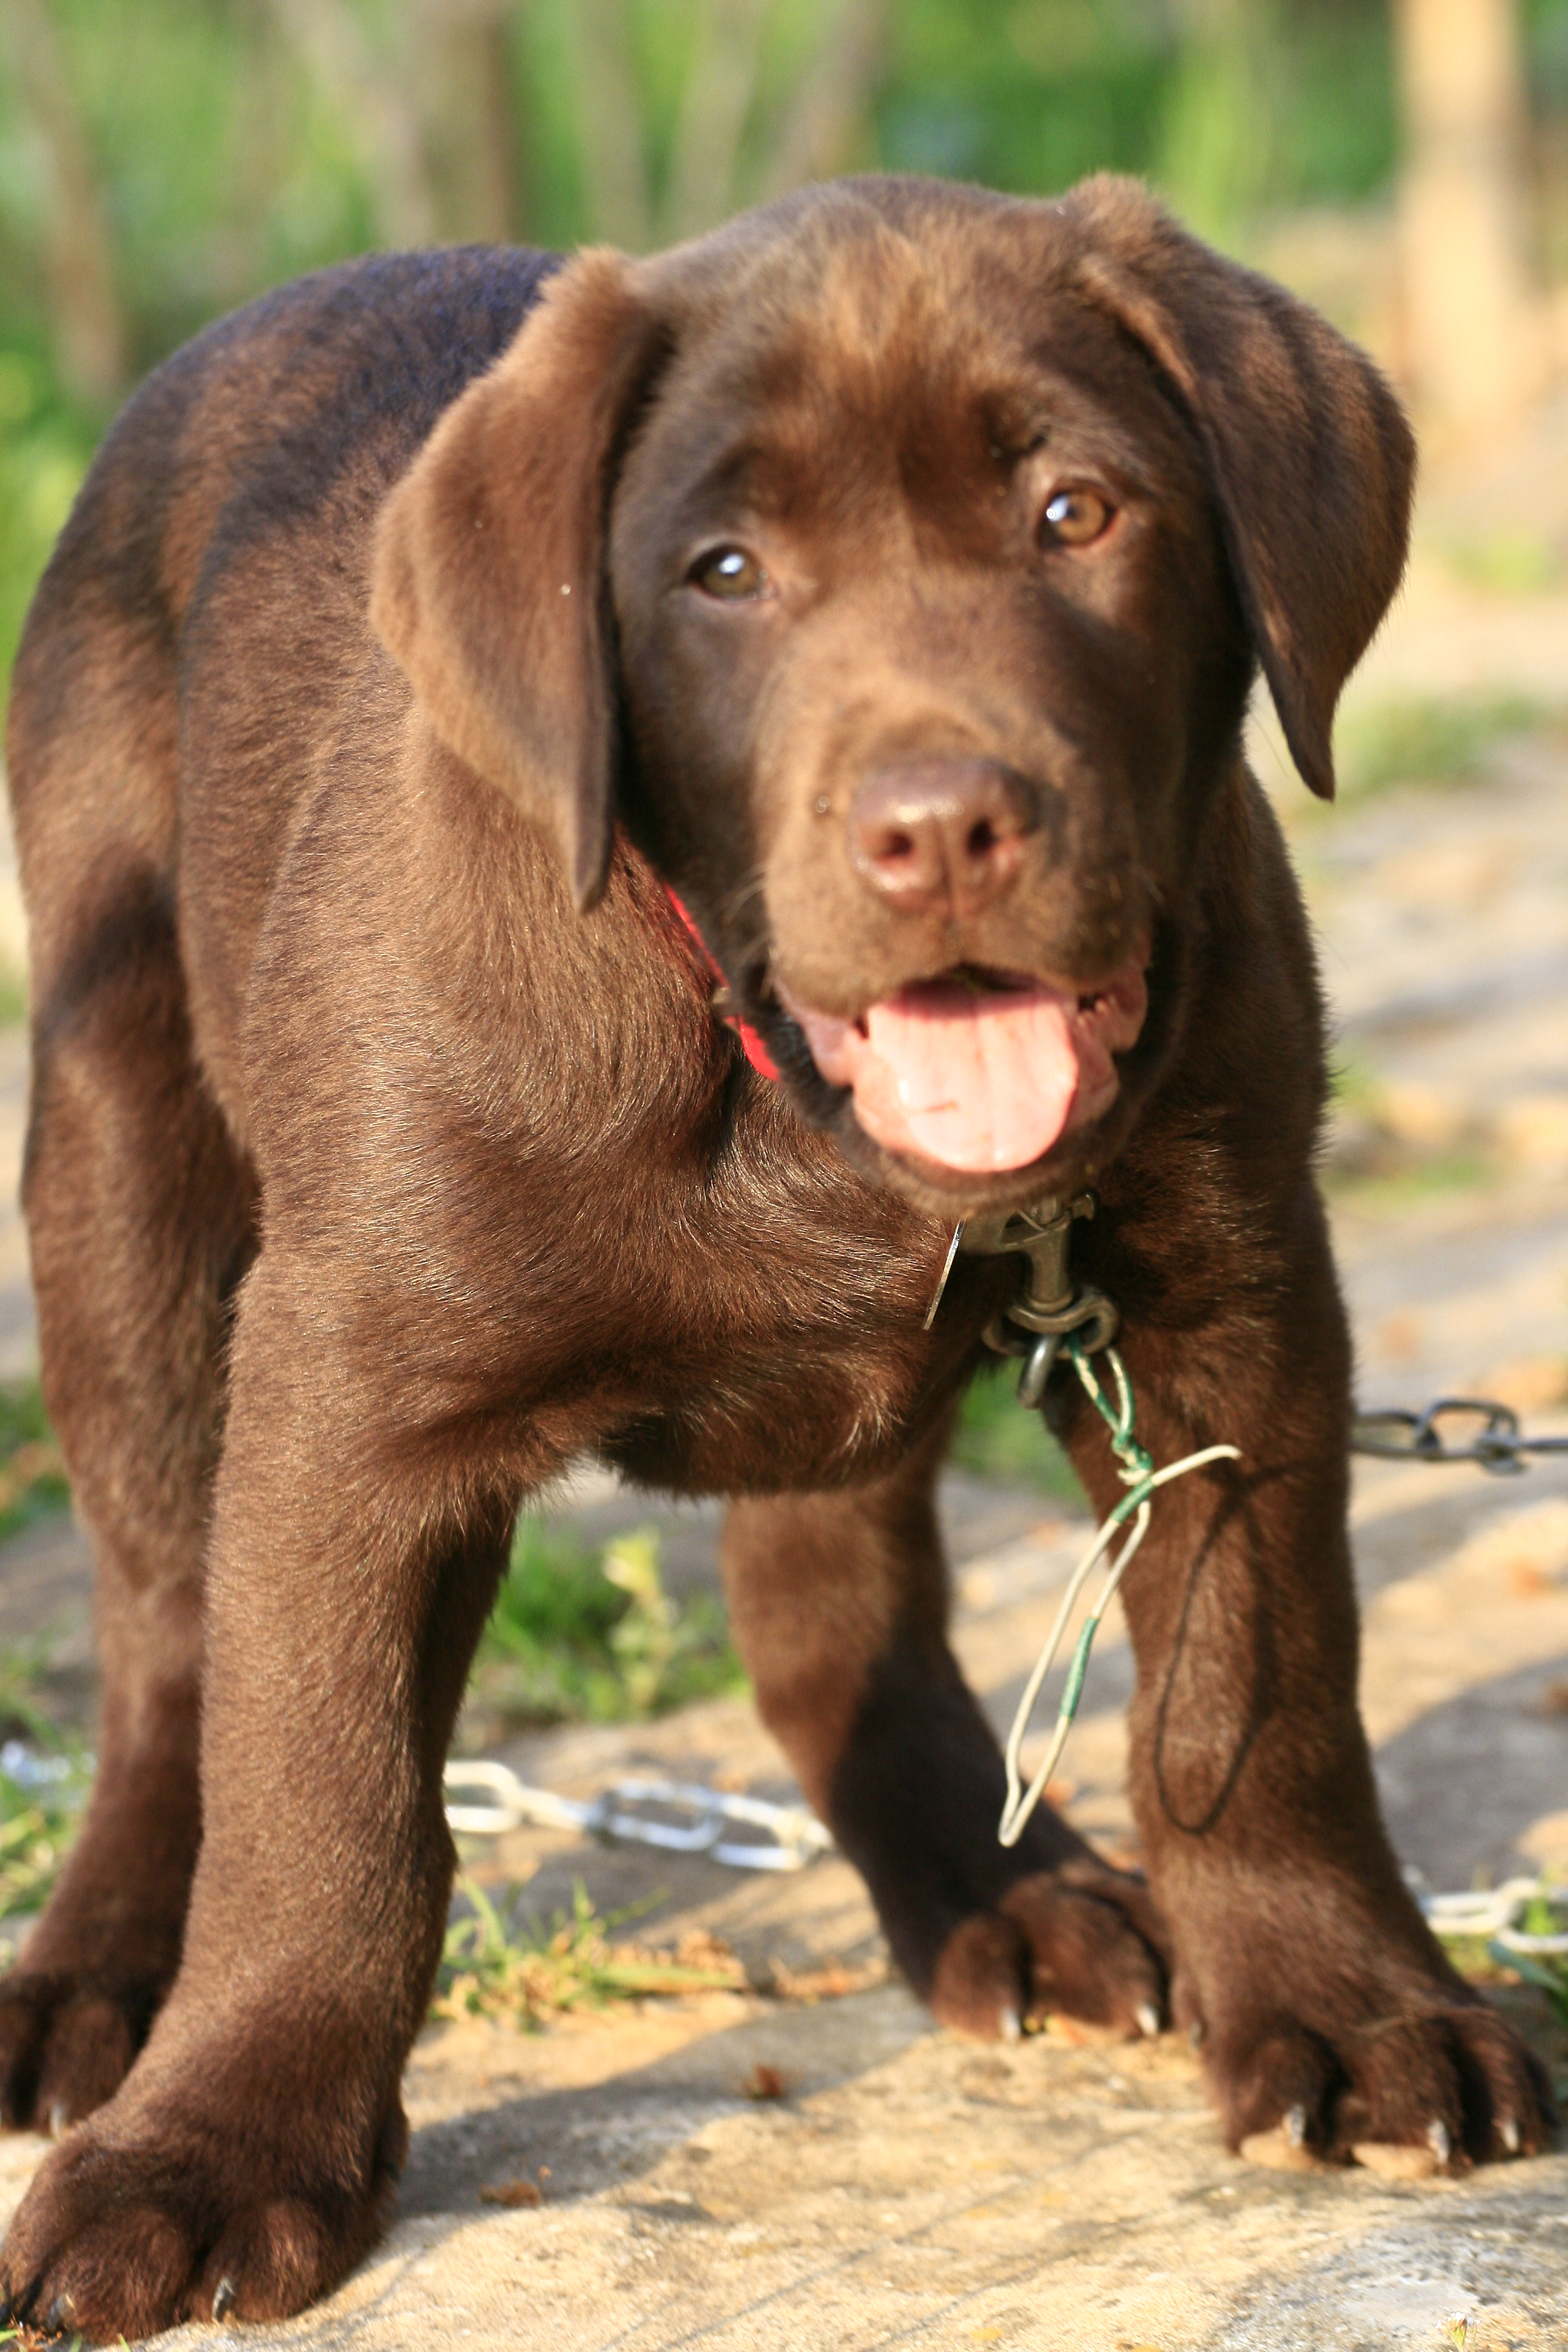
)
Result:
{"points": [[980, 1071]]}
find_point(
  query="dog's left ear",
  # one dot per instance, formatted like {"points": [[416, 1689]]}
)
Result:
{"points": [[488, 575], [1311, 460]]}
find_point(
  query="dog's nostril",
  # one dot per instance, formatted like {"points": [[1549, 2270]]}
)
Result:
{"points": [[939, 831]]}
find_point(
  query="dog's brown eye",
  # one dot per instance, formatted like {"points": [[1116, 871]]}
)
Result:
{"points": [[1075, 517], [732, 574]]}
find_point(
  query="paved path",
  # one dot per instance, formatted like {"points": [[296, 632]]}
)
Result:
{"points": [[911, 2189]]}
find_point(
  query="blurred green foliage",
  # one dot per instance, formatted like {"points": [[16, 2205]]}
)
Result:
{"points": [[232, 150], [996, 1438], [577, 1635], [39, 1818], [162, 160], [44, 449], [32, 1471], [1425, 740], [1228, 105]]}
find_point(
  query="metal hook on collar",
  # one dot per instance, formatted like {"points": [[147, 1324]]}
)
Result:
{"points": [[1052, 1306], [1096, 1322]]}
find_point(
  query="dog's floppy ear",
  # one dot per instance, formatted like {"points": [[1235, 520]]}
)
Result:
{"points": [[487, 582], [1311, 460]]}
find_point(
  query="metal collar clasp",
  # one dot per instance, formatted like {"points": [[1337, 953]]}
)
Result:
{"points": [[1051, 1305]]}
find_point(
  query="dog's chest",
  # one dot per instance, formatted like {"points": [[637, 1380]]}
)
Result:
{"points": [[768, 1331]]}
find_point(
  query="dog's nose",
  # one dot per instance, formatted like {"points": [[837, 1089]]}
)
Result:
{"points": [[941, 831]]}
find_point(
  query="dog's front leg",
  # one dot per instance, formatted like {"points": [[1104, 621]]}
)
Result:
{"points": [[245, 2161], [1303, 1967], [839, 1604]]}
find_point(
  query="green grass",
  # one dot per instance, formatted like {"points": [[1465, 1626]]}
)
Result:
{"points": [[37, 1816], [32, 1473], [591, 1635], [1483, 1962], [22, 1665], [494, 1965], [1545, 1913], [997, 1438], [1426, 741]]}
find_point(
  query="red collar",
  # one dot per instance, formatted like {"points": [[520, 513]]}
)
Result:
{"points": [[752, 1045]]}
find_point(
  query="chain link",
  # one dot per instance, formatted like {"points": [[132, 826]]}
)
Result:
{"points": [[1495, 1913], [1498, 1446], [678, 1816]]}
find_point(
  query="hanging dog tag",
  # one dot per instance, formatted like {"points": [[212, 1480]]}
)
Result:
{"points": [[941, 1278]]}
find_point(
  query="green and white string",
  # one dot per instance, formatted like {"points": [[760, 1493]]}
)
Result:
{"points": [[1137, 1472]]}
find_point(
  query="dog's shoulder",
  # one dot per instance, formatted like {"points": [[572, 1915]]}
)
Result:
{"points": [[310, 399]]}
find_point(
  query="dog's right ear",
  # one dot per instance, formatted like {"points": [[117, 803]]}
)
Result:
{"points": [[488, 575]]}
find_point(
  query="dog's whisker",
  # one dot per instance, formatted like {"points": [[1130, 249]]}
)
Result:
{"points": [[734, 903]]}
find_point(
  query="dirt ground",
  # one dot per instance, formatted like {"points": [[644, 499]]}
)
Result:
{"points": [[909, 2188]]}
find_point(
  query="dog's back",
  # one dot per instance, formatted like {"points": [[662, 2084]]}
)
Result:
{"points": [[226, 466]]}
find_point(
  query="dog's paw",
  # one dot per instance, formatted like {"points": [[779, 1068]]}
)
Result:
{"points": [[124, 2234], [1430, 2082], [67, 2043], [1082, 1941]]}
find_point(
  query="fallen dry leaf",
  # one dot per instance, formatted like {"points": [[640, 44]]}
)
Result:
{"points": [[831, 1982], [521, 2191], [764, 2082], [1526, 1578]]}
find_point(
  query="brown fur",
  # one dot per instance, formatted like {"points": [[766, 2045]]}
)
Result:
{"points": [[370, 1180]]}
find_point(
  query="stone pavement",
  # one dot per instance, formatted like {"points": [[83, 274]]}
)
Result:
{"points": [[907, 2187]]}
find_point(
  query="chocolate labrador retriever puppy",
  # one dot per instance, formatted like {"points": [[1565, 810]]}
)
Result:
{"points": [[884, 577]]}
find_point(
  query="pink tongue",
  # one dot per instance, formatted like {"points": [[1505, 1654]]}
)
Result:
{"points": [[978, 1080]]}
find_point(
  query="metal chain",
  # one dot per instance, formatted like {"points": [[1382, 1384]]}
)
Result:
{"points": [[1498, 1446], [1495, 1912], [680, 1816]]}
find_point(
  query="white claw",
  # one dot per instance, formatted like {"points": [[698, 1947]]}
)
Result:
{"points": [[1508, 2132], [1148, 2018], [1296, 2127], [1196, 2033], [60, 2117], [1439, 2143], [224, 2298], [1009, 2024]]}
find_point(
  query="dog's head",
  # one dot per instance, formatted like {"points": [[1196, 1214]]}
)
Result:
{"points": [[895, 563]]}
